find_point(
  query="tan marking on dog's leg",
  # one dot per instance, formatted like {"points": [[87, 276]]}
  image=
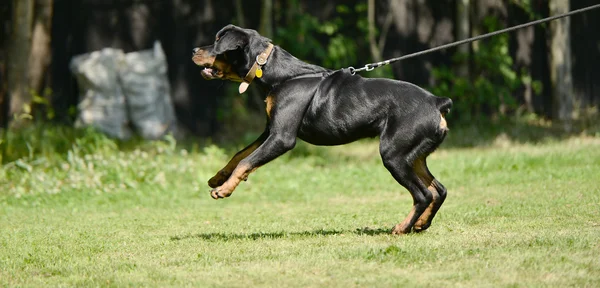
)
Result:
{"points": [[270, 101], [240, 156], [404, 227], [424, 219], [427, 180], [224, 173], [240, 173]]}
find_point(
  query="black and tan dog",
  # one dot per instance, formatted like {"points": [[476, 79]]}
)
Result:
{"points": [[326, 107]]}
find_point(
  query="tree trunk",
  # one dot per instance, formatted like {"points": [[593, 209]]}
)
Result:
{"points": [[462, 32], [3, 97], [377, 46], [560, 64], [40, 55], [5, 18], [375, 52], [239, 14], [18, 53], [29, 53], [266, 19]]}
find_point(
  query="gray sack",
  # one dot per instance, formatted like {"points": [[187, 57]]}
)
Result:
{"points": [[101, 100], [117, 88]]}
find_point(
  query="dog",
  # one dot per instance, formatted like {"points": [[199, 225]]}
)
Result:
{"points": [[330, 107]]}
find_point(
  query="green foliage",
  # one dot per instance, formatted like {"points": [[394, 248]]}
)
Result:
{"points": [[49, 160], [44, 110], [41, 141], [329, 43], [492, 83], [299, 37], [526, 6], [339, 42]]}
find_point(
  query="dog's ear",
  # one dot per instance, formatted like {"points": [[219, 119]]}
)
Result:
{"points": [[249, 41], [229, 39]]}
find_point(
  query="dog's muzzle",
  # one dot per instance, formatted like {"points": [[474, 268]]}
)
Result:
{"points": [[202, 58]]}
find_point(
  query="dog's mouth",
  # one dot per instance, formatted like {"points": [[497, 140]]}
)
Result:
{"points": [[211, 73]]}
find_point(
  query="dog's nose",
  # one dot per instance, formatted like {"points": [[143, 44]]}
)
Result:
{"points": [[196, 50]]}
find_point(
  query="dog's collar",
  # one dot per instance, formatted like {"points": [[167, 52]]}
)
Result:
{"points": [[261, 60]]}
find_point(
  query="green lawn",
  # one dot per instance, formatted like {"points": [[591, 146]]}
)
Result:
{"points": [[516, 215]]}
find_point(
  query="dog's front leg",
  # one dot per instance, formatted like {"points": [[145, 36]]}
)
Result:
{"points": [[225, 173], [285, 116], [274, 146]]}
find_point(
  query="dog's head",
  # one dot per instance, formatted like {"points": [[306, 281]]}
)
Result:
{"points": [[232, 55]]}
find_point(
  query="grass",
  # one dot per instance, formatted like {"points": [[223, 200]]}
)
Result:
{"points": [[517, 214]]}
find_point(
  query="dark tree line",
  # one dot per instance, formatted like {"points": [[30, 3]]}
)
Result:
{"points": [[39, 37]]}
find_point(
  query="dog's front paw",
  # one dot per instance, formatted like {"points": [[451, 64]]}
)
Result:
{"points": [[218, 179], [400, 230], [220, 192]]}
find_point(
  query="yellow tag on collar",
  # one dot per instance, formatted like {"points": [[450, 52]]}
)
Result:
{"points": [[259, 72]]}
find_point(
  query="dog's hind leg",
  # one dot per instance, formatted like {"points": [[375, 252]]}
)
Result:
{"points": [[438, 191], [422, 198], [420, 166], [399, 155]]}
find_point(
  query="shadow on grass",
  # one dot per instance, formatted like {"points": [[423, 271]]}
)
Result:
{"points": [[277, 235]]}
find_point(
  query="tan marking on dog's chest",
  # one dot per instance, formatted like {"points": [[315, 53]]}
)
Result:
{"points": [[270, 101]]}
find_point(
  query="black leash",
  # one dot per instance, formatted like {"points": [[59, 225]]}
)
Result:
{"points": [[372, 66]]}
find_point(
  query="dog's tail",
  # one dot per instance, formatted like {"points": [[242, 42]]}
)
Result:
{"points": [[443, 104]]}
